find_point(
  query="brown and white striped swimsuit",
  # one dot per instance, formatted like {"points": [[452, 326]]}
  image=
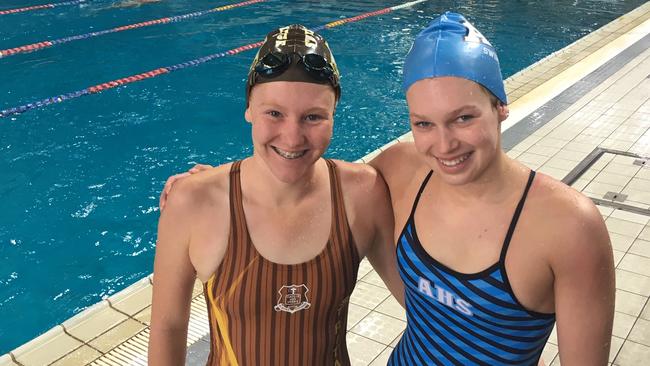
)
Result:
{"points": [[264, 313]]}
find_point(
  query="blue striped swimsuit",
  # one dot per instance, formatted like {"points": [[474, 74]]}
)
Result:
{"points": [[464, 319]]}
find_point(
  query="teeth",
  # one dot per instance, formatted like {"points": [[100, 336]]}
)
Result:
{"points": [[454, 162], [289, 155]]}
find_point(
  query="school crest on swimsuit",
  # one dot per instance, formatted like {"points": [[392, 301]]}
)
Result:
{"points": [[292, 298]]}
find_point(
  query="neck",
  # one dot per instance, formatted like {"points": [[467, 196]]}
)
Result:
{"points": [[268, 188], [496, 183]]}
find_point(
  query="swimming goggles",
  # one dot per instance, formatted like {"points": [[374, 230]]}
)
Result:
{"points": [[275, 63]]}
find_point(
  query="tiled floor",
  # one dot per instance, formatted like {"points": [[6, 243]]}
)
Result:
{"points": [[613, 114]]}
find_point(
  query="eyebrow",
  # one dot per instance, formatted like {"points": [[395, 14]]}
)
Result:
{"points": [[448, 114]]}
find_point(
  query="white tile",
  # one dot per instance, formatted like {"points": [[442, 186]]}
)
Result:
{"points": [[630, 303], [379, 327], [644, 173], [551, 142], [625, 160], [624, 137], [563, 134], [528, 142], [601, 189], [618, 256], [604, 210], [367, 295], [622, 324], [596, 133], [636, 196], [639, 184], [579, 147], [362, 350], [621, 242], [374, 279], [549, 353], [580, 184], [552, 338], [635, 263], [631, 130], [632, 354], [396, 341], [633, 282], [382, 359], [513, 154], [364, 268], [615, 347], [555, 173], [556, 361], [559, 163], [391, 307], [622, 169], [589, 139], [623, 227], [630, 216], [645, 234], [532, 160], [543, 150], [641, 147], [614, 179], [645, 314], [640, 247], [640, 332], [355, 314], [571, 155]]}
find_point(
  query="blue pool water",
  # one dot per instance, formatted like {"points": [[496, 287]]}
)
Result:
{"points": [[79, 180]]}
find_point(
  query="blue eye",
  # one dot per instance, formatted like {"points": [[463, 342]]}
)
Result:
{"points": [[422, 124], [314, 117], [465, 118]]}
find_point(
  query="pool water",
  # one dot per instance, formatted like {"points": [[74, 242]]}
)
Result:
{"points": [[80, 179]]}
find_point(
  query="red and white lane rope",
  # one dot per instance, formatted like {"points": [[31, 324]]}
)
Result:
{"points": [[46, 44], [39, 7], [164, 70]]}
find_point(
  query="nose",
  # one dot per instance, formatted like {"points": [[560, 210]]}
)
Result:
{"points": [[447, 141], [293, 133]]}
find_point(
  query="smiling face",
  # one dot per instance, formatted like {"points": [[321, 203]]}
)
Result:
{"points": [[456, 127], [292, 126]]}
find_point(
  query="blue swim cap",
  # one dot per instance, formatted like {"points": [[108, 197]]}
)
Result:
{"points": [[451, 46]]}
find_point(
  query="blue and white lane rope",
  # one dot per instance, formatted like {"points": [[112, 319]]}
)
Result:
{"points": [[164, 70]]}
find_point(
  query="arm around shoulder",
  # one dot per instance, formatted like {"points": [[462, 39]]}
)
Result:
{"points": [[173, 281], [584, 285], [381, 252], [398, 160]]}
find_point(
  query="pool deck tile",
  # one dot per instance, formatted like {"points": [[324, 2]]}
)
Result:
{"points": [[47, 348], [135, 299], [79, 356], [86, 328], [5, 360], [116, 335]]}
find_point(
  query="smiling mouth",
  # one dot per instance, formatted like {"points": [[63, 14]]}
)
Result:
{"points": [[454, 162], [288, 154]]}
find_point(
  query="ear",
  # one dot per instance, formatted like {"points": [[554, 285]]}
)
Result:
{"points": [[502, 111], [248, 115]]}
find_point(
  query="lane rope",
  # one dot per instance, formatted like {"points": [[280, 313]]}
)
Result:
{"points": [[39, 7], [95, 89], [178, 18]]}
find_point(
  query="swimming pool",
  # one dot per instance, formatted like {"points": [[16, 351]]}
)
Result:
{"points": [[80, 179]]}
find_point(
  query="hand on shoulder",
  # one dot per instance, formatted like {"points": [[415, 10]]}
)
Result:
{"points": [[398, 164], [198, 189]]}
